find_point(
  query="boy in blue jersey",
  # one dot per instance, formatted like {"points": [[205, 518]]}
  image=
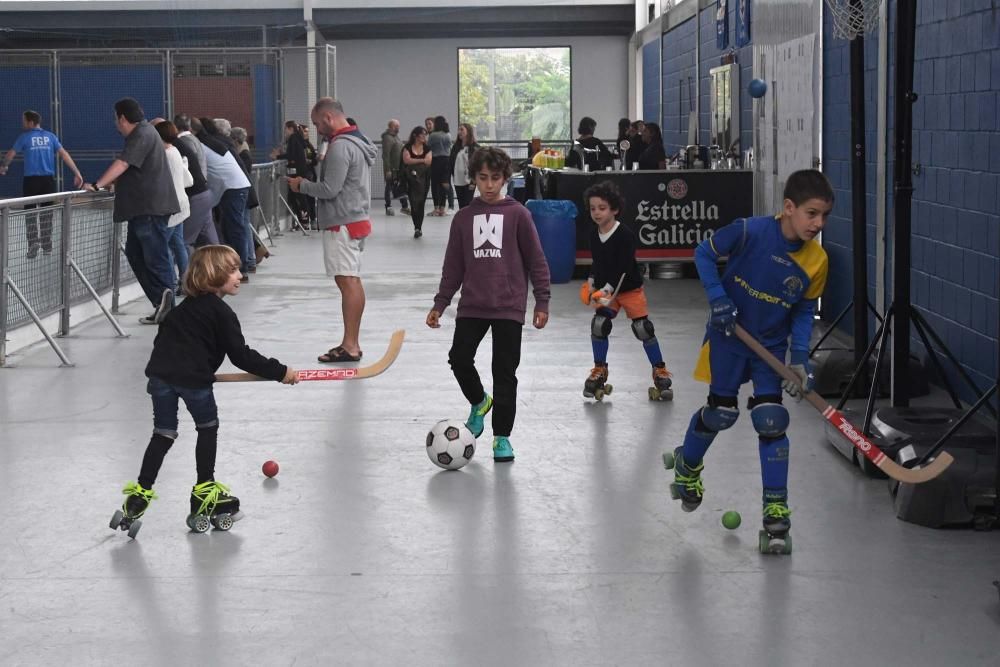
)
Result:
{"points": [[776, 271], [40, 148]]}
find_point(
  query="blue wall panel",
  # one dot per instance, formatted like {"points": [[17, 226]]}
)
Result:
{"points": [[25, 87], [651, 81], [265, 123], [88, 97], [679, 84]]}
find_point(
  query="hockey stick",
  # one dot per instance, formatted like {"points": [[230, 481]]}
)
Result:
{"points": [[379, 367], [832, 415], [604, 303]]}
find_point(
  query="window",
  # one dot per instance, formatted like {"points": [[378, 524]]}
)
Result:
{"points": [[515, 94]]}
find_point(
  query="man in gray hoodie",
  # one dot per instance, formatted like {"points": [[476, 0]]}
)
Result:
{"points": [[343, 204]]}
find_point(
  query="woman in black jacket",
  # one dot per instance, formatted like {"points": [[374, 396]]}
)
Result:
{"points": [[653, 157]]}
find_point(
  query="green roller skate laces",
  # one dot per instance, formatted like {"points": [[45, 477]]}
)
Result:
{"points": [[692, 481], [134, 489], [777, 511], [208, 493]]}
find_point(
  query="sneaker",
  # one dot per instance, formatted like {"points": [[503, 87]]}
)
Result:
{"points": [[149, 319], [417, 234], [33, 251], [166, 304], [476, 414], [244, 278], [502, 451], [261, 253], [405, 210], [389, 210], [450, 211]]}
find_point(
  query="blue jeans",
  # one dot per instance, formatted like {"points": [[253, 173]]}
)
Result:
{"points": [[179, 250], [147, 250], [232, 206], [199, 402], [251, 246]]}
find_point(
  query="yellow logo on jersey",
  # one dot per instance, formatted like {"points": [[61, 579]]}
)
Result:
{"points": [[757, 294]]}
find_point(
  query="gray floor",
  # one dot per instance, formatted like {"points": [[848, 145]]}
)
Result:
{"points": [[361, 552]]}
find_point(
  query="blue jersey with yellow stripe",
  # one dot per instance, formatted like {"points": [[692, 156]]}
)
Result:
{"points": [[774, 282]]}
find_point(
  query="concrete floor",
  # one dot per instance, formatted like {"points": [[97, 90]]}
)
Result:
{"points": [[361, 552]]}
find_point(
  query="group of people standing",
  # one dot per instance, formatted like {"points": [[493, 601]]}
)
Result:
{"points": [[639, 146], [429, 160], [168, 179]]}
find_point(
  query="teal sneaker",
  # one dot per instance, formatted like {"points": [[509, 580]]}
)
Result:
{"points": [[476, 414], [502, 451]]}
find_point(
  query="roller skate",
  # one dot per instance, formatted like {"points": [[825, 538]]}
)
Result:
{"points": [[775, 537], [136, 501], [211, 505], [687, 485], [661, 391], [596, 385], [475, 422], [502, 451]]}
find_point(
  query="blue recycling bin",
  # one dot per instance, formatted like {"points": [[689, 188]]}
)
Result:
{"points": [[555, 220]]}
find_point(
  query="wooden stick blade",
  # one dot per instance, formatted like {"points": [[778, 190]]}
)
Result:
{"points": [[379, 367], [845, 428]]}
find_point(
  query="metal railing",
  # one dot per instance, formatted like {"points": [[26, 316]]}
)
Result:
{"points": [[69, 250]]}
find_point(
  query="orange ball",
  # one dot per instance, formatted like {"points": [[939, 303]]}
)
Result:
{"points": [[270, 468]]}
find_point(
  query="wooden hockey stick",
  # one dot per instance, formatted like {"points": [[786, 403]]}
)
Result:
{"points": [[360, 373], [848, 430]]}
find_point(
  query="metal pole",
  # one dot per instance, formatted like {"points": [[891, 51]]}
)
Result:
{"points": [[859, 198], [116, 265], [64, 259], [4, 237], [906, 26]]}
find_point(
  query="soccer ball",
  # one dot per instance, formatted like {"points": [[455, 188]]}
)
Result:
{"points": [[450, 444]]}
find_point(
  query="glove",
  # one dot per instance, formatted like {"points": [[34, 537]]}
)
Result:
{"points": [[602, 297], [801, 367], [586, 289], [723, 315]]}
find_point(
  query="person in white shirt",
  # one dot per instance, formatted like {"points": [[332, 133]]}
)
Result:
{"points": [[182, 179]]}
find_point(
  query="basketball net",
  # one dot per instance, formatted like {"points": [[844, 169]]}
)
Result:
{"points": [[853, 17]]}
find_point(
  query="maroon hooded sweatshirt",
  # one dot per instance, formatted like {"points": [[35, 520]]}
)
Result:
{"points": [[492, 249]]}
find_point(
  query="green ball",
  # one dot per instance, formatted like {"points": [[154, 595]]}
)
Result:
{"points": [[731, 520]]}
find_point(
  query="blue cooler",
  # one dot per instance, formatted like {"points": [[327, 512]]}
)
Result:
{"points": [[555, 220]]}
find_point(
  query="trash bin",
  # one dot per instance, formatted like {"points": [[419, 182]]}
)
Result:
{"points": [[555, 220]]}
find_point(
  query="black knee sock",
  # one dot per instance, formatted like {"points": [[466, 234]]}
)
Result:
{"points": [[156, 450], [204, 452]]}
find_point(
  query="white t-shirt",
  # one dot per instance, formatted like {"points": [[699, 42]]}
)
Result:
{"points": [[182, 178], [223, 174]]}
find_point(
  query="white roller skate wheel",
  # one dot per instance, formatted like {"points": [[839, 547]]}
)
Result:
{"points": [[116, 519], [222, 521], [133, 530], [199, 523]]}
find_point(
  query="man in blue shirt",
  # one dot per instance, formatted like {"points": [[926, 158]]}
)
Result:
{"points": [[39, 148]]}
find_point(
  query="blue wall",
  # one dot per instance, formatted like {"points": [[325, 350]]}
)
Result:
{"points": [[956, 200], [651, 81], [711, 57], [679, 85], [25, 87]]}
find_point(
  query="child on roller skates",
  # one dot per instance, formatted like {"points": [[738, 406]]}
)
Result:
{"points": [[190, 346], [776, 271], [493, 248], [612, 246]]}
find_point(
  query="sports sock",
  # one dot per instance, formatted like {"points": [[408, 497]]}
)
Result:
{"points": [[156, 450], [204, 452]]}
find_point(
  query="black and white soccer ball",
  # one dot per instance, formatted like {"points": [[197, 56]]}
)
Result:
{"points": [[450, 444]]}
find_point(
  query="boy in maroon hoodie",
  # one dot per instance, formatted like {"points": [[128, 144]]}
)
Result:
{"points": [[492, 249]]}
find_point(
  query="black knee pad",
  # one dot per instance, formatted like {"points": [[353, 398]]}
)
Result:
{"points": [[600, 326], [643, 329]]}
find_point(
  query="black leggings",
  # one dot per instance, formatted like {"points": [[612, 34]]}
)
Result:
{"points": [[469, 333], [418, 198], [441, 182]]}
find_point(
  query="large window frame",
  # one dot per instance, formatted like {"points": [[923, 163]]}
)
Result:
{"points": [[458, 76]]}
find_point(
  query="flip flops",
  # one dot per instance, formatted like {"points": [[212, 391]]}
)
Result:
{"points": [[338, 355]]}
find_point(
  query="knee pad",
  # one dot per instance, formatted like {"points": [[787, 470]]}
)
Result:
{"points": [[770, 418], [600, 326], [643, 329], [720, 413]]}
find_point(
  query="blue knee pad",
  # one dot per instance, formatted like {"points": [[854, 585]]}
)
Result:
{"points": [[770, 418], [720, 413]]}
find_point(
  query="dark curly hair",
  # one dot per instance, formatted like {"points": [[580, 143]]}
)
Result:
{"points": [[607, 191], [493, 159]]}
